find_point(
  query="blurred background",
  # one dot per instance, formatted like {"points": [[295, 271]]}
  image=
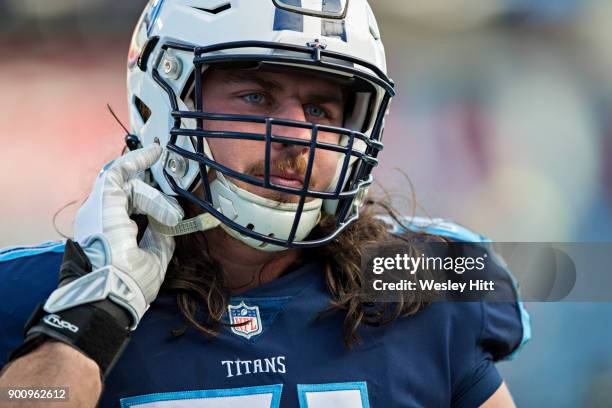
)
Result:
{"points": [[503, 123]]}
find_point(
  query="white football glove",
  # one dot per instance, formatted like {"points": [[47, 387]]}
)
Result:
{"points": [[125, 271]]}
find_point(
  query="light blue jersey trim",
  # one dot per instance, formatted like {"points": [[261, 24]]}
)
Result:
{"points": [[525, 319], [275, 390], [362, 386], [10, 253], [433, 226], [447, 229]]}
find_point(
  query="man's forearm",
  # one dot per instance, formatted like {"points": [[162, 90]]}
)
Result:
{"points": [[54, 364]]}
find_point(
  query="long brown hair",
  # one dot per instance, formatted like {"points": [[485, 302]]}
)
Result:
{"points": [[197, 279]]}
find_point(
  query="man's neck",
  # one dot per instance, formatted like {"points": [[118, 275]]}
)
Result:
{"points": [[245, 267]]}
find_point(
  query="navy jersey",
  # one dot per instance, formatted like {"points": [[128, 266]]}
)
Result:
{"points": [[282, 355]]}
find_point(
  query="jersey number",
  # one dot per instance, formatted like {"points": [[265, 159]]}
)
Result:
{"points": [[336, 395]]}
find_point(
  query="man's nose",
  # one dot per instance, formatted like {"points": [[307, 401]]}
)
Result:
{"points": [[291, 111]]}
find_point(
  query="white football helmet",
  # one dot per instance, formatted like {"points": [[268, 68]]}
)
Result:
{"points": [[176, 41]]}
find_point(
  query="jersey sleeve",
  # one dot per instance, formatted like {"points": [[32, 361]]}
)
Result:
{"points": [[505, 327], [490, 330], [505, 324], [27, 276], [503, 330]]}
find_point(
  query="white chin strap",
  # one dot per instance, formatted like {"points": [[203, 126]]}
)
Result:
{"points": [[264, 216]]}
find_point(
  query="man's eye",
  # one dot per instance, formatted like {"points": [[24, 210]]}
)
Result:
{"points": [[314, 111], [255, 98]]}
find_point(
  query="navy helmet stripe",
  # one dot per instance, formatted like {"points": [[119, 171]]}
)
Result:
{"points": [[333, 28], [286, 20]]}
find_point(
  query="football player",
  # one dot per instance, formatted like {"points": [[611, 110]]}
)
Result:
{"points": [[218, 262]]}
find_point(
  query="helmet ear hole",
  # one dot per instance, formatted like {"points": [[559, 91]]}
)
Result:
{"points": [[250, 227]]}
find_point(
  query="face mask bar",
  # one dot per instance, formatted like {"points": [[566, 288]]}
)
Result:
{"points": [[313, 144], [314, 56]]}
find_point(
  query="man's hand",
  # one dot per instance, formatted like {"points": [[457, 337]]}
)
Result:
{"points": [[106, 284], [125, 271]]}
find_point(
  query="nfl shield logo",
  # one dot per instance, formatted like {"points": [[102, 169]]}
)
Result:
{"points": [[248, 319]]}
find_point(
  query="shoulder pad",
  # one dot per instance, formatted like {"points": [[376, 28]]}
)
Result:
{"points": [[28, 274], [433, 226], [15, 252]]}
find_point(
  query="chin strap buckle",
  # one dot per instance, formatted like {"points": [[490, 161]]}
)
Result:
{"points": [[202, 222]]}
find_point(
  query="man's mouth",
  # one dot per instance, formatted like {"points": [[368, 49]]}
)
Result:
{"points": [[285, 180]]}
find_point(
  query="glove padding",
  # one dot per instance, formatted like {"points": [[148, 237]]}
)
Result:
{"points": [[125, 271]]}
